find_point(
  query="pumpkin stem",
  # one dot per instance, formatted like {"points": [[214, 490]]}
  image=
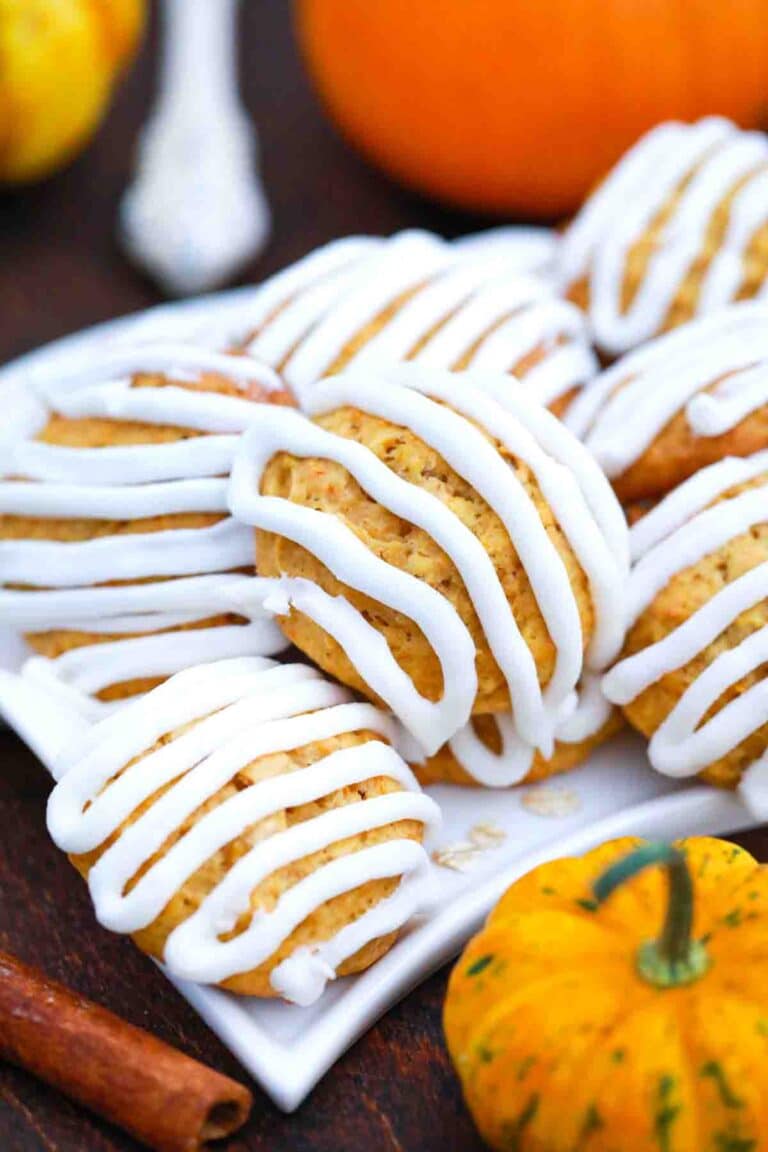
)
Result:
{"points": [[674, 958]]}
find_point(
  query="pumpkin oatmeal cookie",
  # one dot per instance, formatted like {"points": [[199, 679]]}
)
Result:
{"points": [[249, 825]]}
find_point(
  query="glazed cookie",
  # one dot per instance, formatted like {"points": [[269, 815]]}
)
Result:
{"points": [[439, 543], [116, 548], [364, 303], [683, 401], [678, 229], [249, 825], [693, 673]]}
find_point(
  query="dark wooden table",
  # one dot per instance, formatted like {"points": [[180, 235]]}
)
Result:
{"points": [[60, 269]]}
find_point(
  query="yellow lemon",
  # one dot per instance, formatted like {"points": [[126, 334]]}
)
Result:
{"points": [[58, 63]]}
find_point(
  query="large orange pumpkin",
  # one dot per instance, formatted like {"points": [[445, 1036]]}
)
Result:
{"points": [[518, 106]]}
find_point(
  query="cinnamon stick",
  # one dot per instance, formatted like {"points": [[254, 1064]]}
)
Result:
{"points": [[163, 1098]]}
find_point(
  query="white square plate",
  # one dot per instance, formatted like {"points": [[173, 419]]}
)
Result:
{"points": [[288, 1049]]}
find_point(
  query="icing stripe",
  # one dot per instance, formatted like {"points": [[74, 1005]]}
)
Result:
{"points": [[433, 307], [684, 528], [514, 760], [621, 186], [558, 442], [283, 333], [349, 560], [526, 309], [177, 460], [746, 213], [500, 322], [567, 367], [407, 261], [706, 532], [196, 692], [311, 269], [94, 667], [177, 361], [179, 552], [621, 412], [729, 402], [109, 502], [468, 451], [715, 159], [635, 674], [691, 498], [683, 745], [195, 954], [127, 608], [169, 405], [432, 303], [302, 977], [131, 483]]}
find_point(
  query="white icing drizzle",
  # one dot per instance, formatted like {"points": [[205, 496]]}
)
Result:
{"points": [[558, 442], [356, 274], [284, 331], [132, 483], [620, 187], [130, 608], [503, 323], [409, 260], [703, 534], [458, 305], [95, 666], [176, 360], [433, 307], [110, 501], [620, 413], [442, 410], [514, 760], [714, 157], [692, 497], [156, 463], [242, 710], [176, 552], [523, 249], [282, 289], [683, 529]]}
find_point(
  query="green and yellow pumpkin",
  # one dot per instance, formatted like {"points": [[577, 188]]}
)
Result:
{"points": [[576, 1027]]}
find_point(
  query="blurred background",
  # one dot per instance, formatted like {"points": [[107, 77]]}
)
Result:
{"points": [[494, 110], [61, 266]]}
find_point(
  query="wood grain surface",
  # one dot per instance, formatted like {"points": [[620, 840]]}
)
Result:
{"points": [[60, 269]]}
